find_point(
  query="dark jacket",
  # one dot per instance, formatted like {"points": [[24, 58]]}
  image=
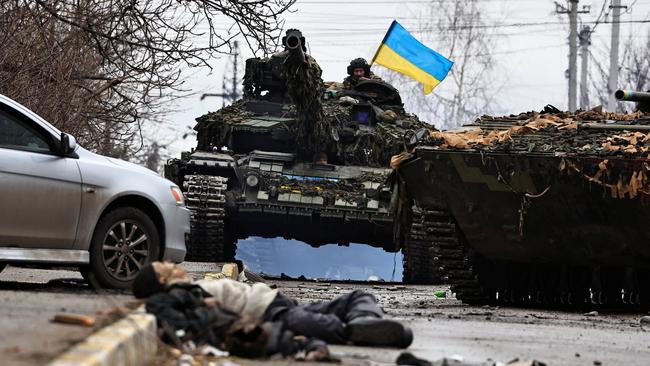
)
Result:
{"points": [[181, 308], [182, 316]]}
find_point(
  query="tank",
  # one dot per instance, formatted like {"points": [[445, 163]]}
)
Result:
{"points": [[547, 209], [294, 158]]}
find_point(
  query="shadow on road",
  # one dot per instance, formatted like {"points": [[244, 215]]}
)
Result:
{"points": [[59, 285]]}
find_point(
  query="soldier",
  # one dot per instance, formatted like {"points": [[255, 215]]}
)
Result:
{"points": [[358, 69]]}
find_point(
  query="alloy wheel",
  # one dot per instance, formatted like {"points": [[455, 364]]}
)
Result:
{"points": [[125, 249]]}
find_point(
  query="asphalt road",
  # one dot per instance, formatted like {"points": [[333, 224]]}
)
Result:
{"points": [[30, 298], [442, 327]]}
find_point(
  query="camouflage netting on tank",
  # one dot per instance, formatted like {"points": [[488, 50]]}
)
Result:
{"points": [[557, 134], [305, 87], [370, 147], [209, 127], [604, 148], [373, 148]]}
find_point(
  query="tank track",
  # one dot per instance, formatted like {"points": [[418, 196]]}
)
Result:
{"points": [[418, 261], [204, 197], [478, 281]]}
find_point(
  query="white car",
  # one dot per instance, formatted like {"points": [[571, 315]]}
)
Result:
{"points": [[63, 205]]}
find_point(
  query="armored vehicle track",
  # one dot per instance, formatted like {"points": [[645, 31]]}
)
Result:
{"points": [[418, 261], [477, 280], [206, 200]]}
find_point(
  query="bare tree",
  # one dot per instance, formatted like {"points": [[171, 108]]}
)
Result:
{"points": [[458, 31], [99, 68]]}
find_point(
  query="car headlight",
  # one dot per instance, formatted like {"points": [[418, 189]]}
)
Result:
{"points": [[178, 196]]}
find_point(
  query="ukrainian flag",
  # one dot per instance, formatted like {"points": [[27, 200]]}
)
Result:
{"points": [[400, 51]]}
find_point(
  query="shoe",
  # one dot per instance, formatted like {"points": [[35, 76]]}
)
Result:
{"points": [[379, 332]]}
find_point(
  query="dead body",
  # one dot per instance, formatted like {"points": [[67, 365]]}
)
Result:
{"points": [[208, 310]]}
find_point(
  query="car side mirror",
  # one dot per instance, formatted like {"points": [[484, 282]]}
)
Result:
{"points": [[68, 144]]}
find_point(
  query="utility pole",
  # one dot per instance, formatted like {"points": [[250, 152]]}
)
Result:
{"points": [[573, 47], [233, 94], [585, 42], [612, 84]]}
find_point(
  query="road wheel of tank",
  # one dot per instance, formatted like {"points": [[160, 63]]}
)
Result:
{"points": [[418, 252], [124, 240], [209, 238]]}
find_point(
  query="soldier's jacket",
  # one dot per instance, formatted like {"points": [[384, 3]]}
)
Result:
{"points": [[181, 307], [351, 81]]}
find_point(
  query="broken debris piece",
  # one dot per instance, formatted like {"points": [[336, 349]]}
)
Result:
{"points": [[76, 319]]}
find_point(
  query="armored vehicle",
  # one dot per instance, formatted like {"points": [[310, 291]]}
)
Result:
{"points": [[286, 161], [543, 208]]}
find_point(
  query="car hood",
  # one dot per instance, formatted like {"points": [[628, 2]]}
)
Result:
{"points": [[112, 162], [131, 166]]}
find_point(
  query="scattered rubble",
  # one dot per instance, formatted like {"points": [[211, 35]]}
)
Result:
{"points": [[645, 322], [407, 358]]}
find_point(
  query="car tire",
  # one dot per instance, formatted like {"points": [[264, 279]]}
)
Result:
{"points": [[124, 240]]}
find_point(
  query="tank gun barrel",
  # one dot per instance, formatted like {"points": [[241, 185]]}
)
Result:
{"points": [[294, 44], [642, 98], [632, 96]]}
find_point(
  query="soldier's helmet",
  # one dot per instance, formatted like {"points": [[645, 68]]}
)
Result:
{"points": [[359, 63], [294, 33]]}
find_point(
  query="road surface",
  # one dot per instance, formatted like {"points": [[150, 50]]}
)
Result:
{"points": [[442, 327]]}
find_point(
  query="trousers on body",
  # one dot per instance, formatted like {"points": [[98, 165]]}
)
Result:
{"points": [[323, 320]]}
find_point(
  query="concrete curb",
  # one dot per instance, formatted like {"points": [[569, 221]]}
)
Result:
{"points": [[131, 341]]}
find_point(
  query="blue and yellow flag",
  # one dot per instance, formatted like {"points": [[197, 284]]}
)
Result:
{"points": [[400, 51]]}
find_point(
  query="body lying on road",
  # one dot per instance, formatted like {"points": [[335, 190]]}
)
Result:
{"points": [[256, 320]]}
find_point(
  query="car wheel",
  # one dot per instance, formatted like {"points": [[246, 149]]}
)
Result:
{"points": [[125, 239]]}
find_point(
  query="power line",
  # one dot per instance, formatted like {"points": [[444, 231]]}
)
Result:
{"points": [[600, 16]]}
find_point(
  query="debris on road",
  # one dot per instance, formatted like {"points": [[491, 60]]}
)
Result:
{"points": [[645, 322], [76, 319], [517, 362], [228, 270], [408, 359]]}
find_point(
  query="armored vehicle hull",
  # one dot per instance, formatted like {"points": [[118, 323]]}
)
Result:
{"points": [[270, 194], [546, 217]]}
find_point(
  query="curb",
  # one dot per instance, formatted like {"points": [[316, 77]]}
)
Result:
{"points": [[130, 341]]}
